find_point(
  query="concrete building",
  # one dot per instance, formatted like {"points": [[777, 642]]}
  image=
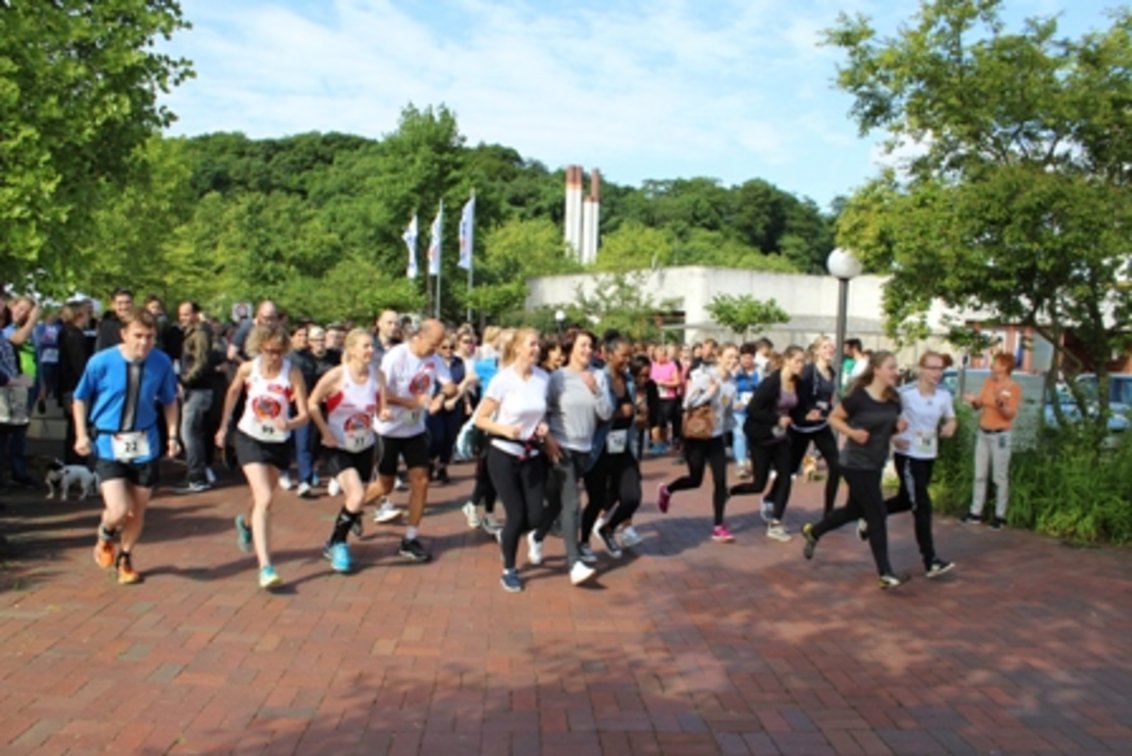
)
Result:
{"points": [[811, 302]]}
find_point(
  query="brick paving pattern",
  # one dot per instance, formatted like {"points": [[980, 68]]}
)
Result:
{"points": [[686, 647]]}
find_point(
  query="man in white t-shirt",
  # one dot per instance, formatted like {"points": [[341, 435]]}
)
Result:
{"points": [[412, 369]]}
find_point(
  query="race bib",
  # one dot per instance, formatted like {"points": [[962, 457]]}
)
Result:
{"points": [[924, 444], [127, 447], [358, 440], [616, 441], [266, 432]]}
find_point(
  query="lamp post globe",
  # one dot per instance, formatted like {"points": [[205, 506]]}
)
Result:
{"points": [[843, 265]]}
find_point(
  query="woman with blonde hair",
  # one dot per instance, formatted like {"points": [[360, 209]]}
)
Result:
{"points": [[353, 393], [817, 388], [512, 412], [271, 384]]}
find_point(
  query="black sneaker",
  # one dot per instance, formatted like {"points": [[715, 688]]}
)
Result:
{"points": [[811, 541], [997, 523], [412, 550], [938, 567], [609, 540], [889, 581], [971, 519]]}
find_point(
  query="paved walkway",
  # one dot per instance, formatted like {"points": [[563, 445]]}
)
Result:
{"points": [[686, 647]]}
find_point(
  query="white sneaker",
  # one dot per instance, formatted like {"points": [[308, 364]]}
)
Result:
{"points": [[386, 512], [400, 485], [333, 488], [534, 549], [210, 476], [777, 531], [599, 523], [491, 525], [304, 489], [630, 537], [581, 572], [285, 482], [472, 514]]}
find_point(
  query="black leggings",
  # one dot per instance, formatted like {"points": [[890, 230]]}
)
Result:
{"points": [[915, 475], [522, 488], [865, 500], [698, 453], [826, 444], [484, 491], [765, 458], [613, 483]]}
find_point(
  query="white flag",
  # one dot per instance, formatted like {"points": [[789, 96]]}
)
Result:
{"points": [[467, 233], [410, 237], [434, 242]]}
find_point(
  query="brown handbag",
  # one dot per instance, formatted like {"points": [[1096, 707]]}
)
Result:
{"points": [[699, 422]]}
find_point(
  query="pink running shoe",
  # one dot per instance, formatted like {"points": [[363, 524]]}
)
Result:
{"points": [[663, 498], [721, 534]]}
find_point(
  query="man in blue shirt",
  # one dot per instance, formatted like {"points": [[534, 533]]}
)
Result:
{"points": [[118, 395]]}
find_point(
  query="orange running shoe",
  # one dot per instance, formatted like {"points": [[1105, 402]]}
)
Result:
{"points": [[104, 553], [126, 573]]}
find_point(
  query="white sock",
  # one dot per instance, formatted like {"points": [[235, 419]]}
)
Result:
{"points": [[410, 533]]}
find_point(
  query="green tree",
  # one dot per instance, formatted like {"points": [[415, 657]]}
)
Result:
{"points": [[744, 314], [621, 301], [79, 82], [1017, 202]]}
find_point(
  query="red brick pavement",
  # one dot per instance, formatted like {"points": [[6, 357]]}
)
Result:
{"points": [[686, 647]]}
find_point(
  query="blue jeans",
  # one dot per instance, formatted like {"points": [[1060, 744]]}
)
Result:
{"points": [[193, 413], [739, 439], [304, 452]]}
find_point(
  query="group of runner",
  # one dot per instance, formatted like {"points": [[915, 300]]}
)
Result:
{"points": [[544, 432]]}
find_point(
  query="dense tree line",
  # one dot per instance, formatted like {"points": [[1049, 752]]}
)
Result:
{"points": [[315, 221]]}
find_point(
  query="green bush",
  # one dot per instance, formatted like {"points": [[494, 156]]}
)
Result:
{"points": [[1063, 487]]}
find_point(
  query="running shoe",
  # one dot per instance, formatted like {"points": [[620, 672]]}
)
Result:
{"points": [[997, 523], [510, 581], [339, 556], [104, 553], [890, 581], [493, 526], [387, 512], [412, 550], [243, 534], [333, 488], [210, 476], [269, 578], [609, 540], [196, 486], [586, 554], [777, 531], [630, 537], [811, 541], [285, 482], [472, 515], [938, 567], [581, 572], [971, 519], [766, 511], [862, 530], [663, 498], [305, 491], [722, 534], [127, 575], [534, 549]]}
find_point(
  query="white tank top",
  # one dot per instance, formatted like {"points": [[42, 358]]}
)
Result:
{"points": [[267, 399], [351, 410]]}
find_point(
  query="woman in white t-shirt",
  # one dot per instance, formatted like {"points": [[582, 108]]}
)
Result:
{"points": [[513, 414]]}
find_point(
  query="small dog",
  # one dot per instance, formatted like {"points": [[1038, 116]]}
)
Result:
{"points": [[68, 476], [810, 467]]}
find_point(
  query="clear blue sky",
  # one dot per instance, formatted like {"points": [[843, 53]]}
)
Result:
{"points": [[729, 89]]}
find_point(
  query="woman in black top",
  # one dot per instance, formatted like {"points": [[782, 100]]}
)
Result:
{"points": [[868, 417], [810, 417], [768, 418]]}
